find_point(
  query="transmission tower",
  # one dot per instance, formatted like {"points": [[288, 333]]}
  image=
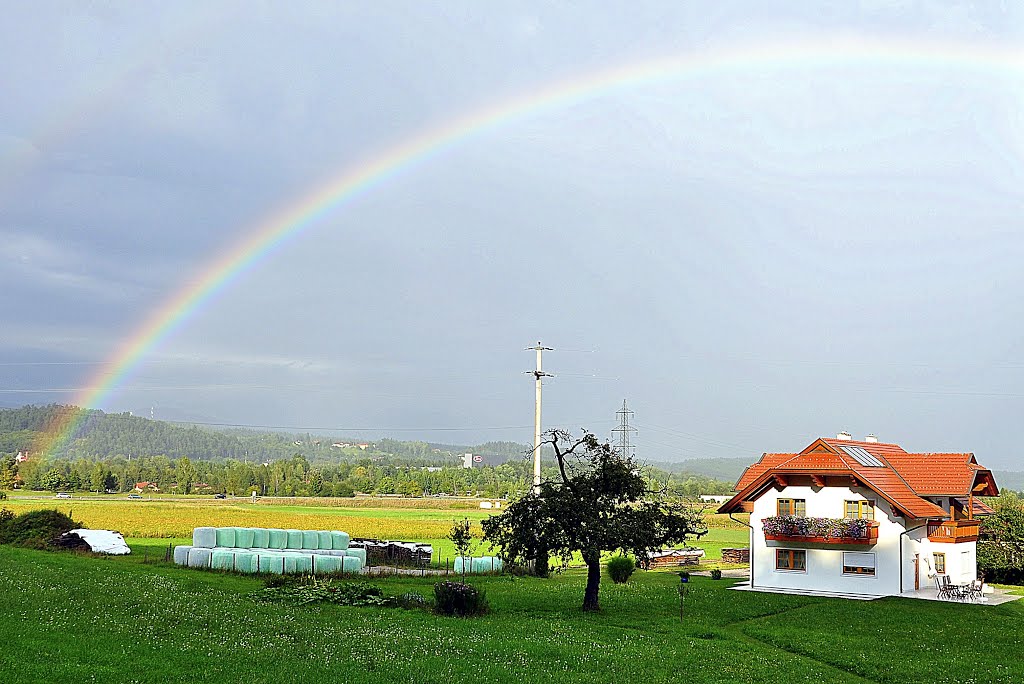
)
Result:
{"points": [[623, 432]]}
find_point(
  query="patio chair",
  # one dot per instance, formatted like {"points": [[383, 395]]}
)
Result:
{"points": [[949, 590], [940, 586]]}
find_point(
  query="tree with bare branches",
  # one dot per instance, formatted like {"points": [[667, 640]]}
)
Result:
{"points": [[598, 502]]}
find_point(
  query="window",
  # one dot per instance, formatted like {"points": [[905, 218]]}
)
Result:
{"points": [[791, 559], [860, 509], [792, 507], [940, 563], [856, 563]]}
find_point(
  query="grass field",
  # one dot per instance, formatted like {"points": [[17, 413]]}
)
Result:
{"points": [[69, 618], [174, 518]]}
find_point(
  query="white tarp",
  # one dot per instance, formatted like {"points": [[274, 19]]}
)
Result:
{"points": [[104, 541]]}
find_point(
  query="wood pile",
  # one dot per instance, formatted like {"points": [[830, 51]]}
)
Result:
{"points": [[735, 555], [402, 554]]}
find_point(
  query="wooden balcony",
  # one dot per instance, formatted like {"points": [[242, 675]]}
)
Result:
{"points": [[870, 537], [953, 531]]}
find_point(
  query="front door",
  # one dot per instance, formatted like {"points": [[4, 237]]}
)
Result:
{"points": [[917, 571]]}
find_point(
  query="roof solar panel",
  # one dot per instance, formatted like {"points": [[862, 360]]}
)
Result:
{"points": [[861, 455]]}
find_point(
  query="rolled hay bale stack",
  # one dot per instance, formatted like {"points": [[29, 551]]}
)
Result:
{"points": [[204, 537], [199, 557], [310, 540], [339, 540], [463, 564], [277, 539], [326, 540], [226, 537], [260, 538], [222, 560], [351, 564], [244, 537], [290, 566], [181, 555], [337, 552], [294, 539], [326, 564]]}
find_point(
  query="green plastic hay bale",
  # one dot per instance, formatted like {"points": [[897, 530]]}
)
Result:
{"points": [[339, 540], [245, 561], [244, 537], [204, 537], [294, 539], [223, 560], [225, 537], [325, 564], [181, 555], [326, 540], [462, 564], [337, 552], [351, 563], [303, 564], [260, 538], [199, 557], [272, 563], [486, 564], [290, 567], [357, 553], [278, 539], [310, 540]]}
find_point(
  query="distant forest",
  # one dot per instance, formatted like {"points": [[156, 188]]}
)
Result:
{"points": [[115, 452]]}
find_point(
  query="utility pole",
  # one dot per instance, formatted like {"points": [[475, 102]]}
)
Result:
{"points": [[624, 429], [538, 375]]}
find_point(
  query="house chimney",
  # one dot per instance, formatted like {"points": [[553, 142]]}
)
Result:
{"points": [[844, 436], [871, 438]]}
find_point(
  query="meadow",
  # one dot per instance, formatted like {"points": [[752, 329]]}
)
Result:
{"points": [[77, 618], [172, 519]]}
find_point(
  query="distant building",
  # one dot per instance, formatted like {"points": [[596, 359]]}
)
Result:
{"points": [[715, 498], [21, 457], [479, 460]]}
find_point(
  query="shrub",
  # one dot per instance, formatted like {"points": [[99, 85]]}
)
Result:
{"points": [[411, 601], [303, 590], [3, 495], [36, 529], [716, 574], [458, 599], [620, 568]]}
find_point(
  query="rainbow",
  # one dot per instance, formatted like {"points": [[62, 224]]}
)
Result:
{"points": [[351, 183]]}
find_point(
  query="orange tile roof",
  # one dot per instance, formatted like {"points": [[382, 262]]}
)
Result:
{"points": [[903, 479]]}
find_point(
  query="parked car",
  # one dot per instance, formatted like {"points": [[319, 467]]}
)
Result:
{"points": [[62, 495], [220, 496], [134, 496]]}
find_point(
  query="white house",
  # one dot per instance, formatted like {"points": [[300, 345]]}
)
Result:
{"points": [[861, 517]]}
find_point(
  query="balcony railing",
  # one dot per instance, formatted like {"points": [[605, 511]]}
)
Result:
{"points": [[953, 531], [795, 528]]}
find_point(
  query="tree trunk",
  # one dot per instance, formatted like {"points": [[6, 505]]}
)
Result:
{"points": [[541, 567], [593, 561]]}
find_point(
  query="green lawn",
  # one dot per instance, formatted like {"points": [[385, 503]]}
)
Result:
{"points": [[67, 618]]}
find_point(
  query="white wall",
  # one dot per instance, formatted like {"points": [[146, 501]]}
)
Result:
{"points": [[824, 561]]}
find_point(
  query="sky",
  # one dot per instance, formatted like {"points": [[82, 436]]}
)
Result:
{"points": [[752, 253]]}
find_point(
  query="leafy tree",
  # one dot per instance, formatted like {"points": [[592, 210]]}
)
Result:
{"points": [[186, 475], [54, 480], [597, 502], [316, 482], [462, 539], [97, 479], [1007, 523]]}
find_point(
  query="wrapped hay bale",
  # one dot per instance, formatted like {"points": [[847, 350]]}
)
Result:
{"points": [[199, 557], [339, 540], [181, 555], [486, 564], [204, 537], [277, 539], [270, 562], [303, 564], [310, 539], [222, 560], [351, 564], [326, 540], [225, 537], [245, 561], [325, 564], [244, 537], [294, 539], [356, 553], [290, 566], [463, 564], [260, 537], [337, 552]]}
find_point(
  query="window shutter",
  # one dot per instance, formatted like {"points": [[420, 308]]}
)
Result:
{"points": [[858, 560]]}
